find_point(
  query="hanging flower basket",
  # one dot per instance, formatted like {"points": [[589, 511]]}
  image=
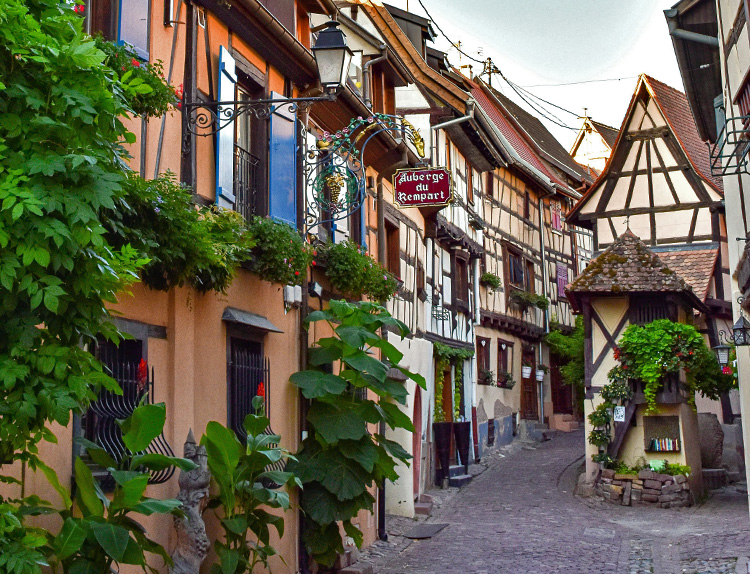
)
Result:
{"points": [[540, 375], [526, 371]]}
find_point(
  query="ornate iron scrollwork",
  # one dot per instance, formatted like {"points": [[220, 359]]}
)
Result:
{"points": [[334, 168]]}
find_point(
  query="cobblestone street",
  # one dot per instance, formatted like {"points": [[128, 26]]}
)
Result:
{"points": [[520, 515]]}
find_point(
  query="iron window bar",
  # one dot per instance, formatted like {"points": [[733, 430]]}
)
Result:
{"points": [[110, 407], [248, 371], [246, 182], [729, 155]]}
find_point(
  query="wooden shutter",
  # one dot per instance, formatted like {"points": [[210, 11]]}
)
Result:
{"points": [[562, 280], [225, 137], [282, 184]]}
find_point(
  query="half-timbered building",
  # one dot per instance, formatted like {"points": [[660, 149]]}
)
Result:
{"points": [[658, 184], [593, 145]]}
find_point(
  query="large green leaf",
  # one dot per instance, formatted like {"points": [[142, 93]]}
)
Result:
{"points": [[143, 426], [316, 384], [389, 351], [320, 504], [393, 448], [395, 417], [86, 494], [354, 532], [356, 337], [112, 538], [54, 481], [83, 566], [361, 361], [322, 355], [255, 424], [335, 423], [70, 539], [130, 492], [223, 449], [362, 451], [229, 558], [343, 479], [155, 506], [156, 461], [96, 452], [133, 554]]}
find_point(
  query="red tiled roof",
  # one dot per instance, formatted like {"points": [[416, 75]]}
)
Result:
{"points": [[515, 139], [695, 266], [674, 104], [607, 132]]}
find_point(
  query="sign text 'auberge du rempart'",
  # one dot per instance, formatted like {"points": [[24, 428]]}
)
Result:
{"points": [[422, 187]]}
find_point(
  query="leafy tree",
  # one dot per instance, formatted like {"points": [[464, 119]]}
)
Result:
{"points": [[340, 458]]}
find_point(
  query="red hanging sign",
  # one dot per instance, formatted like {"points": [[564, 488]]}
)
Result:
{"points": [[422, 187]]}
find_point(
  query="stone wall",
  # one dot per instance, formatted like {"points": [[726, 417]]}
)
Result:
{"points": [[647, 487]]}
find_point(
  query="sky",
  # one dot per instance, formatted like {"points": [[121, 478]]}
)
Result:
{"points": [[541, 44]]}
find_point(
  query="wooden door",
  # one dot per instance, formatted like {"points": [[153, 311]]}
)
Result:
{"points": [[529, 409], [562, 394]]}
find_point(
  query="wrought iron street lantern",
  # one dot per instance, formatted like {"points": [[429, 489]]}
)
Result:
{"points": [[739, 337], [333, 57], [722, 351], [741, 331]]}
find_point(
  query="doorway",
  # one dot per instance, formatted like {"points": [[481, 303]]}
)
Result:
{"points": [[529, 407]]}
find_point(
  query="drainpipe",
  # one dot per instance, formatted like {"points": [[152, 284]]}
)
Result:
{"points": [[469, 116], [367, 73], [677, 32], [546, 311], [382, 534]]}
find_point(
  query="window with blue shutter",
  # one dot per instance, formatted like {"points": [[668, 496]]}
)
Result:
{"points": [[225, 136], [282, 164]]}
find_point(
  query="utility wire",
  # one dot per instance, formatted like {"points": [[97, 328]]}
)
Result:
{"points": [[544, 113]]}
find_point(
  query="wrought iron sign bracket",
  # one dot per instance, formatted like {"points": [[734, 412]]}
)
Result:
{"points": [[208, 118]]}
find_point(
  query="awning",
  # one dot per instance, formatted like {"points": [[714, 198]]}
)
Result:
{"points": [[240, 317]]}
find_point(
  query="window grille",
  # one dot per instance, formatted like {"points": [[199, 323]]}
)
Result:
{"points": [[136, 380], [246, 183]]}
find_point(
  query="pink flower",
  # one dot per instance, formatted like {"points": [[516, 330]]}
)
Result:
{"points": [[326, 134], [370, 119]]}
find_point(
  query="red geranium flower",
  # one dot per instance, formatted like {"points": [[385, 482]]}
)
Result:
{"points": [[142, 375], [136, 63], [261, 390]]}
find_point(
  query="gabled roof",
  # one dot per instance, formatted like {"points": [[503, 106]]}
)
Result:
{"points": [[539, 136], [696, 266], [504, 123], [608, 133], [432, 81], [628, 266], [674, 106]]}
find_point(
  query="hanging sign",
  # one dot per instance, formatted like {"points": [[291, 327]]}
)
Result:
{"points": [[422, 187]]}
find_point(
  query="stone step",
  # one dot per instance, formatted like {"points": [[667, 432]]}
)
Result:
{"points": [[567, 426], [423, 508], [456, 470], [460, 480]]}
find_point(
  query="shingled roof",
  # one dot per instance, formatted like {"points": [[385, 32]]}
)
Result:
{"points": [[696, 266], [608, 133], [627, 266]]}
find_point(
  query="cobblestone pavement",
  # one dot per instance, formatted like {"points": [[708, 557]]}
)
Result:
{"points": [[519, 514]]}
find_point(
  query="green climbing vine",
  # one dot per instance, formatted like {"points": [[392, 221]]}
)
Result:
{"points": [[446, 356]]}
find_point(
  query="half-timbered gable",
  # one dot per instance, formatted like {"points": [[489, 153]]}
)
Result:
{"points": [[593, 145], [658, 176]]}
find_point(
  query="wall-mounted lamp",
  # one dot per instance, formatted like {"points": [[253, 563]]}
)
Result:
{"points": [[740, 337], [315, 289]]}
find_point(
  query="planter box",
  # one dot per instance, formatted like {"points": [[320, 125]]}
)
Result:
{"points": [[443, 431], [526, 372]]}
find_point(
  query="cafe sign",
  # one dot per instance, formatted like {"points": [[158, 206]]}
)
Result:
{"points": [[422, 187]]}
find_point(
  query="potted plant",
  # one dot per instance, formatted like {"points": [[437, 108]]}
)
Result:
{"points": [[526, 370], [486, 377], [491, 281], [505, 380], [541, 370]]}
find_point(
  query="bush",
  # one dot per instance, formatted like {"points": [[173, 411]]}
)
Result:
{"points": [[280, 255], [354, 273], [491, 281]]}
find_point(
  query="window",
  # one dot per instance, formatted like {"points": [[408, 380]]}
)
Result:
{"points": [[248, 199], [515, 269], [529, 283], [644, 309], [555, 215], [128, 365], [355, 70], [490, 186], [483, 359], [247, 369], [527, 205], [562, 280], [123, 21], [469, 183], [461, 277], [504, 361], [393, 248]]}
